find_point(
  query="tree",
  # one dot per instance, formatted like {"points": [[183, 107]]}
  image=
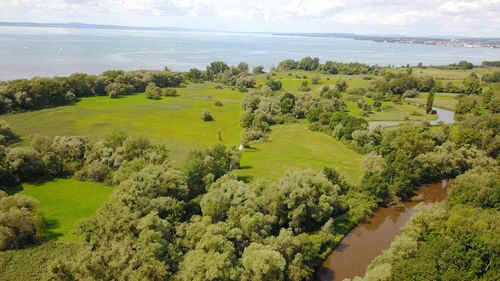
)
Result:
{"points": [[6, 134], [376, 186], [152, 91], [429, 102], [169, 92], [373, 163], [242, 67], [215, 68], [206, 116], [472, 84], [194, 75], [287, 102], [258, 69], [287, 64], [468, 104], [465, 65], [304, 87], [306, 200], [341, 85], [308, 64], [115, 89], [328, 67], [275, 85], [20, 225], [262, 263]]}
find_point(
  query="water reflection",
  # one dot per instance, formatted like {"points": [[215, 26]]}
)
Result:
{"points": [[443, 115]]}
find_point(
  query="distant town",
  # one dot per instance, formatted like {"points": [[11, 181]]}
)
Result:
{"points": [[447, 42], [467, 43]]}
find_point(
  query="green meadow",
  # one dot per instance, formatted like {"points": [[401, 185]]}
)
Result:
{"points": [[63, 202], [442, 100], [294, 147], [174, 121]]}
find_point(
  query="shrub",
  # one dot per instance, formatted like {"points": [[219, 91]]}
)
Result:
{"points": [[94, 171], [206, 116], [258, 69], [19, 223], [218, 103], [275, 85], [6, 134], [152, 91], [169, 92]]}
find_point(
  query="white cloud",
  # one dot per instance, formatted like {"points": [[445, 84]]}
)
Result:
{"points": [[313, 8], [453, 7], [420, 17]]}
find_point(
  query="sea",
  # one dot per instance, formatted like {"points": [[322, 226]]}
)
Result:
{"points": [[26, 52]]}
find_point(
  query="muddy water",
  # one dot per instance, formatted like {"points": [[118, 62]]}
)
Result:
{"points": [[371, 237]]}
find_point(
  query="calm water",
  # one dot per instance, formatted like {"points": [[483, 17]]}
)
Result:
{"points": [[443, 115], [371, 237], [35, 51]]}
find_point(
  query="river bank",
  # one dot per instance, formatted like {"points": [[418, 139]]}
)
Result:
{"points": [[368, 239]]}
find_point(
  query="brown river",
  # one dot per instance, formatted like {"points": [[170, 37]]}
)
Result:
{"points": [[368, 239]]}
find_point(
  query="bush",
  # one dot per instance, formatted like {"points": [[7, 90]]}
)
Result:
{"points": [[258, 69], [206, 116], [152, 91], [6, 134], [95, 171], [20, 225], [275, 85], [169, 92], [341, 85], [218, 103]]}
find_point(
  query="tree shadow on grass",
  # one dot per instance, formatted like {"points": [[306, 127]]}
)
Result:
{"points": [[50, 234], [11, 190], [245, 179]]}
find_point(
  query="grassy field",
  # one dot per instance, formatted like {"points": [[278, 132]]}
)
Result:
{"points": [[294, 147], [63, 202], [441, 100], [174, 121]]}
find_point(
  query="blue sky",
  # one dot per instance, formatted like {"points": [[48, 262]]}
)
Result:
{"points": [[417, 17]]}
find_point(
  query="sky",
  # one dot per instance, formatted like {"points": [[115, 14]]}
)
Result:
{"points": [[478, 18]]}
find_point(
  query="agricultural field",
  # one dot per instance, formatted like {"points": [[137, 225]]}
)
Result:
{"points": [[63, 202]]}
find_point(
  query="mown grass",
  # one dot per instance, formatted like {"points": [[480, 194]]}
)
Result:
{"points": [[63, 202], [174, 121], [32, 263], [293, 147]]}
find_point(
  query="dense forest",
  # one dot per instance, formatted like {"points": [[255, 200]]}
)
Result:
{"points": [[197, 220]]}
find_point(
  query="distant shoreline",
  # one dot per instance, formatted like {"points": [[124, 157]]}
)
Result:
{"points": [[446, 41], [463, 42]]}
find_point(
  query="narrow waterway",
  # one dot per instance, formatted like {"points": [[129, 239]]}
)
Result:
{"points": [[443, 115], [371, 237]]}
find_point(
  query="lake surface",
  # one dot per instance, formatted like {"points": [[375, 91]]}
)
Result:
{"points": [[40, 51], [367, 240]]}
